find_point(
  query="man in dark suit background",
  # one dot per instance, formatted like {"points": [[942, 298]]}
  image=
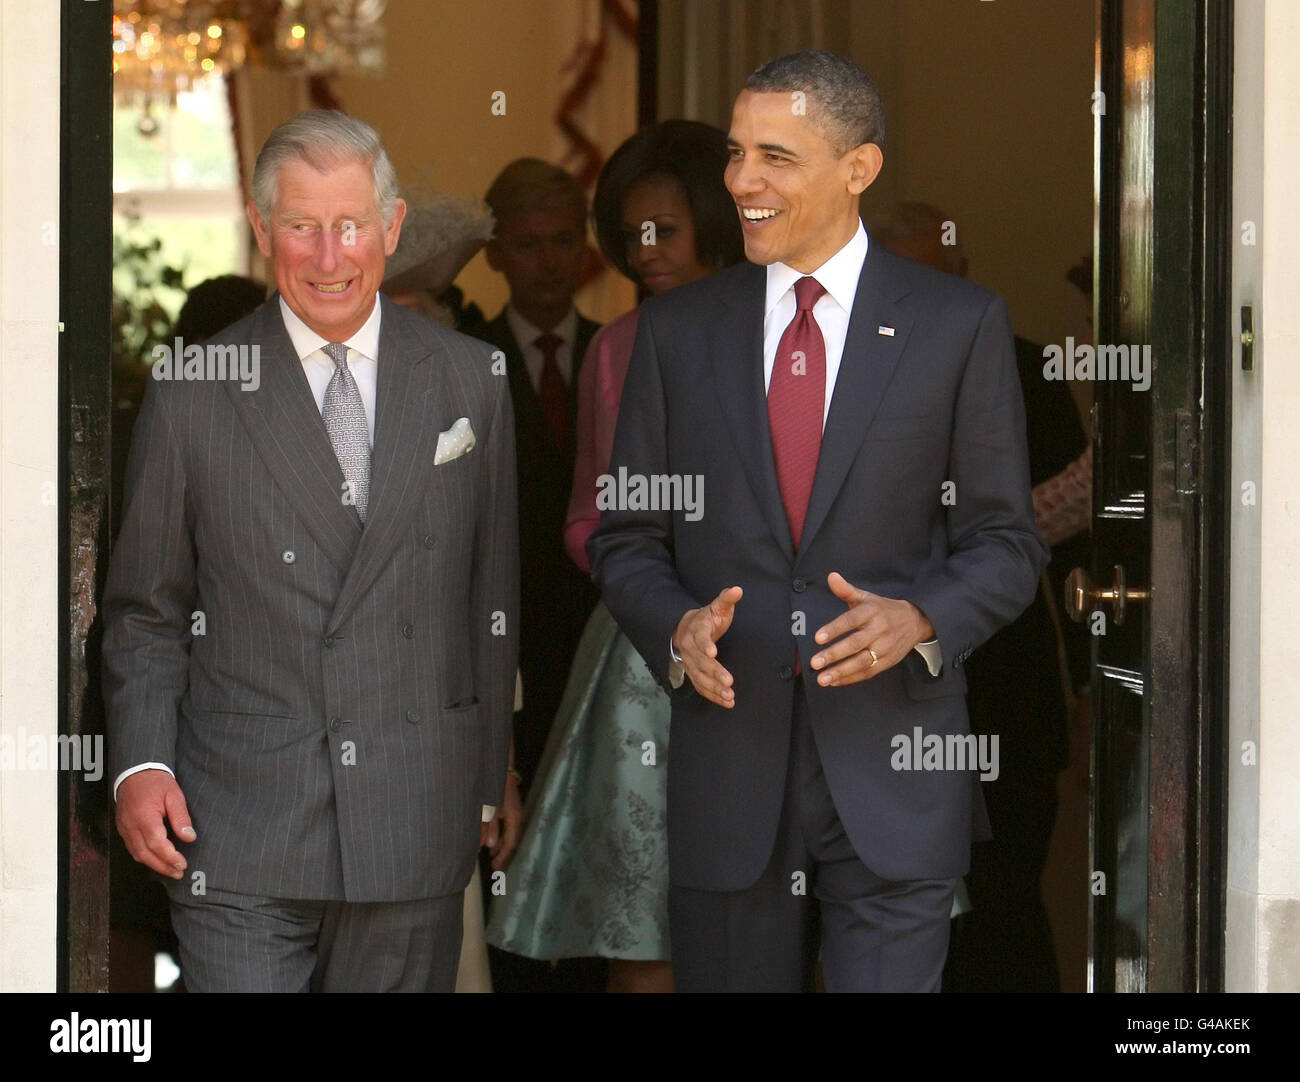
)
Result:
{"points": [[310, 615], [857, 421], [539, 246]]}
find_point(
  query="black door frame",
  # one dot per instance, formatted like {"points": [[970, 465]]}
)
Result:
{"points": [[1217, 348], [85, 376], [1187, 506]]}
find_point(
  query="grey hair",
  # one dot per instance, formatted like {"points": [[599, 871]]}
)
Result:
{"points": [[322, 138], [849, 109]]}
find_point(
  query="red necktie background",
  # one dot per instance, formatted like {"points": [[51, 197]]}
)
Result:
{"points": [[552, 392]]}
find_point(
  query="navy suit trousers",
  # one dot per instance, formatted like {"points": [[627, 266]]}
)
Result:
{"points": [[874, 935]]}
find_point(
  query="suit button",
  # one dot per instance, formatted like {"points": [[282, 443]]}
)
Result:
{"points": [[429, 542], [336, 723], [800, 585], [785, 672], [413, 716], [408, 630], [329, 640], [287, 556]]}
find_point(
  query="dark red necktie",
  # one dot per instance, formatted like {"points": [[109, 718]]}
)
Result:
{"points": [[796, 402], [552, 393]]}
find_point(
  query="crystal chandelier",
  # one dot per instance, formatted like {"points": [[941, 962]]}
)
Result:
{"points": [[161, 46]]}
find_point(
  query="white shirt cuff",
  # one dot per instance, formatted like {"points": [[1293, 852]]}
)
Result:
{"points": [[676, 670], [932, 652], [136, 770], [489, 813]]}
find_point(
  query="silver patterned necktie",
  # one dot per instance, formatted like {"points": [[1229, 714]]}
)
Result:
{"points": [[345, 420]]}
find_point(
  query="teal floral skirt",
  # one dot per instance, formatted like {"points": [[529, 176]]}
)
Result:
{"points": [[590, 876]]}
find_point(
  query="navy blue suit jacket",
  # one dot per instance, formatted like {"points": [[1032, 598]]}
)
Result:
{"points": [[937, 401]]}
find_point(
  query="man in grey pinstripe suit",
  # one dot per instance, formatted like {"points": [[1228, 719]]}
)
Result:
{"points": [[310, 640]]}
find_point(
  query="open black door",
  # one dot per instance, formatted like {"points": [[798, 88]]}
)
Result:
{"points": [[85, 373], [1155, 596]]}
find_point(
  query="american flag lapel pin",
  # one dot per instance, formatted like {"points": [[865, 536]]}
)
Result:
{"points": [[888, 332]]}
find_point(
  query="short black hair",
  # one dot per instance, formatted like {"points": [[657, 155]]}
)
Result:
{"points": [[694, 155], [847, 103], [215, 304]]}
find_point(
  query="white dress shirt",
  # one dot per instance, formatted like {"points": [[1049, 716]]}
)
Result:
{"points": [[839, 277], [526, 335], [363, 358]]}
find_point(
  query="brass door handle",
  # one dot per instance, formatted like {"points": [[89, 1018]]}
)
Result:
{"points": [[1081, 596]]}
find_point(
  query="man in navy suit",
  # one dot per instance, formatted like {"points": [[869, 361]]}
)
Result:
{"points": [[857, 424]]}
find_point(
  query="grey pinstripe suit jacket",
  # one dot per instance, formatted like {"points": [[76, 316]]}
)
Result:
{"points": [[346, 710]]}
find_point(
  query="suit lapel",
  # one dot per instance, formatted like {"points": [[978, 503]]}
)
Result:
{"points": [[737, 351], [286, 428], [866, 368], [405, 445]]}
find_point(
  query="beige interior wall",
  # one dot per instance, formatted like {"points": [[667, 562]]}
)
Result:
{"points": [[989, 117], [29, 472], [444, 61], [707, 48], [988, 111]]}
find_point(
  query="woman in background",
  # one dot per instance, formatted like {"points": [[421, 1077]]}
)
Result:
{"points": [[590, 877]]}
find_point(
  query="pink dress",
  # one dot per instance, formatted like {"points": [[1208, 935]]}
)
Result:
{"points": [[600, 386]]}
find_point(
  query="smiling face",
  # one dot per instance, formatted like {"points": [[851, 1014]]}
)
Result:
{"points": [[327, 243], [797, 197], [671, 260]]}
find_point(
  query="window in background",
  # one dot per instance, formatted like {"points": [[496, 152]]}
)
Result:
{"points": [[177, 221], [176, 181]]}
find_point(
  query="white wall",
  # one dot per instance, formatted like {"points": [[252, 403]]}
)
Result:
{"points": [[1263, 919], [29, 523]]}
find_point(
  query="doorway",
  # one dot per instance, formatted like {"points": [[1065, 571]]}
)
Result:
{"points": [[993, 117]]}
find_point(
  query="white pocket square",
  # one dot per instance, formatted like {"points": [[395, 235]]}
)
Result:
{"points": [[453, 443]]}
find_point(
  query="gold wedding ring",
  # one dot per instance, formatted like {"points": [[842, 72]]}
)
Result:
{"points": [[874, 659]]}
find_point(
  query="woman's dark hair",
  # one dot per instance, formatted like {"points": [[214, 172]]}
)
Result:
{"points": [[694, 155]]}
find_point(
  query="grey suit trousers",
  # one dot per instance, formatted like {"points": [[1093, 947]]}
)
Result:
{"points": [[233, 942]]}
